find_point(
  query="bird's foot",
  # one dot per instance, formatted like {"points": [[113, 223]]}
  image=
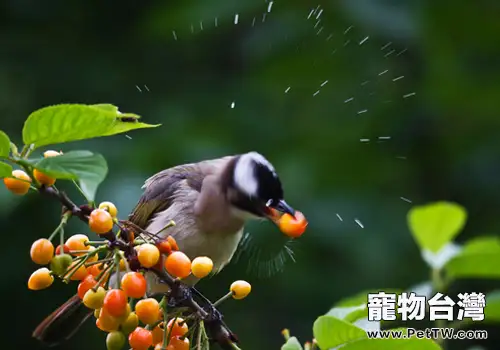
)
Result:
{"points": [[179, 296], [213, 313]]}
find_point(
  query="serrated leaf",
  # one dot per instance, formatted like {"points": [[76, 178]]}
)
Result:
{"points": [[330, 332], [5, 170], [107, 107], [120, 126], [436, 224], [393, 344], [292, 344], [4, 144], [72, 122], [66, 122], [88, 168]]}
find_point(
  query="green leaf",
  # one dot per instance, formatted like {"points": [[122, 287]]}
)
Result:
{"points": [[491, 311], [292, 344], [4, 144], [361, 298], [66, 122], [474, 266], [436, 224], [72, 122], [330, 332], [5, 170], [479, 258], [356, 301], [393, 344], [88, 168], [349, 313], [356, 315], [107, 107], [484, 244], [121, 126], [125, 121]]}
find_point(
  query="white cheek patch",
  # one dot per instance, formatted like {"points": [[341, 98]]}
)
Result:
{"points": [[244, 177]]}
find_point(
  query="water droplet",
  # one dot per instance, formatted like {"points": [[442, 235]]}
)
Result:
{"points": [[364, 40], [359, 223]]}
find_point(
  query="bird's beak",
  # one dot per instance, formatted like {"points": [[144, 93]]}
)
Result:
{"points": [[274, 210]]}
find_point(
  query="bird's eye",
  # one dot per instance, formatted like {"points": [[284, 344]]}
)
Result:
{"points": [[269, 203]]}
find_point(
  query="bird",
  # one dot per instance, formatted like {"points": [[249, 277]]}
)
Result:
{"points": [[210, 202]]}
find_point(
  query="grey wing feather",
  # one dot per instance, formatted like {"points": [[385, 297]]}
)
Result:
{"points": [[160, 189]]}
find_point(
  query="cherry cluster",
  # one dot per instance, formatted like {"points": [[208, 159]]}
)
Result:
{"points": [[112, 273]]}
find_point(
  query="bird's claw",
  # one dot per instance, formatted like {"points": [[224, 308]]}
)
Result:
{"points": [[213, 313], [181, 295]]}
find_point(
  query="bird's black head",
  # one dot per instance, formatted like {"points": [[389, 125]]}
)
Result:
{"points": [[257, 187]]}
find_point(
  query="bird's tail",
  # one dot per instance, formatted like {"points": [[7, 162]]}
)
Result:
{"points": [[63, 323]]}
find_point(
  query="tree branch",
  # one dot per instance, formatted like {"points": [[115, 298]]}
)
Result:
{"points": [[217, 330]]}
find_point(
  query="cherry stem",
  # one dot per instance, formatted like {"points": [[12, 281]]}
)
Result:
{"points": [[98, 262], [14, 150], [136, 227], [102, 275], [26, 151], [223, 299], [171, 223], [82, 193], [234, 346], [64, 221], [67, 276], [95, 242], [198, 339], [215, 327], [127, 266], [166, 335], [61, 241], [117, 264], [286, 334]]}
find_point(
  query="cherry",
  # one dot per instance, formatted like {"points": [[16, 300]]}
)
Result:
{"points": [[100, 221], [19, 183], [240, 289], [40, 279], [202, 266], [140, 339], [293, 226], [178, 264], [42, 251]]}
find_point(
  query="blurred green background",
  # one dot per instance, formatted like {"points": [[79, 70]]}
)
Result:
{"points": [[425, 74]]}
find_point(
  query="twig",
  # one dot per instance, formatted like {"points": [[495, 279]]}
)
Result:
{"points": [[215, 327], [218, 330], [65, 201]]}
